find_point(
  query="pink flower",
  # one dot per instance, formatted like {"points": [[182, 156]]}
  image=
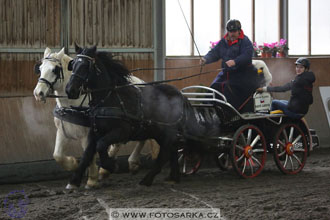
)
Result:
{"points": [[282, 42], [213, 44]]}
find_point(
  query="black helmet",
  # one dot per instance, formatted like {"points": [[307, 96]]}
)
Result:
{"points": [[233, 25], [303, 61]]}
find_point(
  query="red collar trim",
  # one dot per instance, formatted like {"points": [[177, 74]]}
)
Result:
{"points": [[241, 36]]}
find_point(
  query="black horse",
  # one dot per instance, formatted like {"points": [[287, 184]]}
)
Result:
{"points": [[121, 112]]}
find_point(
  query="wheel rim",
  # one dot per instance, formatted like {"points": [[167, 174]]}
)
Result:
{"points": [[189, 163], [290, 149], [248, 151]]}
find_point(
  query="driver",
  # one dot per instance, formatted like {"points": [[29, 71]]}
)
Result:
{"points": [[238, 80]]}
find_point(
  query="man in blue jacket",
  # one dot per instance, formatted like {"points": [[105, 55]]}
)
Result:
{"points": [[238, 80]]}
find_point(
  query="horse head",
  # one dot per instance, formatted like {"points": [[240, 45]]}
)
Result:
{"points": [[51, 74], [92, 69]]}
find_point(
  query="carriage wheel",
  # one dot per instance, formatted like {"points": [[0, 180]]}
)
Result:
{"points": [[189, 163], [248, 153], [223, 161], [290, 149]]}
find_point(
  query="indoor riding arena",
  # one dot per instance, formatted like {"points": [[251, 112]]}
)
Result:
{"points": [[127, 109]]}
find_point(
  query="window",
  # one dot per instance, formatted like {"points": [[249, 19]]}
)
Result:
{"points": [[178, 39], [205, 26], [320, 27], [298, 27], [242, 10], [266, 21], [304, 23]]}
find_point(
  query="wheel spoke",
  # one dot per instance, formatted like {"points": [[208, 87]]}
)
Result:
{"points": [[239, 147], [240, 158], [252, 171], [258, 150], [221, 155], [180, 158], [296, 140], [256, 139], [286, 160], [281, 154], [285, 136], [256, 160], [291, 133], [281, 143], [242, 137], [299, 150], [292, 168], [184, 166], [249, 136], [244, 166], [295, 157]]}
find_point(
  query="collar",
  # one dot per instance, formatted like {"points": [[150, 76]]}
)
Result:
{"points": [[241, 36]]}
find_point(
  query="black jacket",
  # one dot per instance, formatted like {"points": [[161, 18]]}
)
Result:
{"points": [[301, 92]]}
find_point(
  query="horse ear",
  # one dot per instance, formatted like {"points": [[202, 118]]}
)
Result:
{"points": [[47, 52], [37, 68], [93, 49], [70, 65], [77, 48], [60, 54]]}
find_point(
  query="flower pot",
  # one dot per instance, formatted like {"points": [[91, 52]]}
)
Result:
{"points": [[281, 54], [266, 54]]}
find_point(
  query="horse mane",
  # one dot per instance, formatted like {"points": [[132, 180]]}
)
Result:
{"points": [[115, 69]]}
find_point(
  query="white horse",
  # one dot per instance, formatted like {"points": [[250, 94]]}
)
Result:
{"points": [[54, 75]]}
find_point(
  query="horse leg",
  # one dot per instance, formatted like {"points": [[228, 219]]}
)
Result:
{"points": [[92, 181], [114, 148], [174, 176], [163, 156], [154, 149], [115, 136], [134, 159], [87, 158], [68, 163]]}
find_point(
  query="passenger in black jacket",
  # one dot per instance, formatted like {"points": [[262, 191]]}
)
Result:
{"points": [[301, 91]]}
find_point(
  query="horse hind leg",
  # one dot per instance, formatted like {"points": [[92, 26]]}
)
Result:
{"points": [[163, 157], [174, 176], [67, 162]]}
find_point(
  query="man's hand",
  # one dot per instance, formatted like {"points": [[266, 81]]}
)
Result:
{"points": [[202, 61], [230, 63]]}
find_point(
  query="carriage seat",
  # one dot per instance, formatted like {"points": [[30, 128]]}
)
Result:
{"points": [[276, 112]]}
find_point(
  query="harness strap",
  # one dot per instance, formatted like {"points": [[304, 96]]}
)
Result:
{"points": [[64, 132]]}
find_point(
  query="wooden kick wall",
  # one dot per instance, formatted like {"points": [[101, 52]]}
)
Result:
{"points": [[27, 27]]}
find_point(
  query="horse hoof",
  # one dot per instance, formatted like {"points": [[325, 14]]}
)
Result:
{"points": [[103, 174], [171, 181], [70, 186], [134, 168], [92, 184]]}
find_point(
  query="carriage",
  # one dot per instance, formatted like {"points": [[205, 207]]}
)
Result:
{"points": [[245, 139]]}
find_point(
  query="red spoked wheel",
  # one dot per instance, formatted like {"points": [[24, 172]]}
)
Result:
{"points": [[189, 163], [290, 149], [248, 153]]}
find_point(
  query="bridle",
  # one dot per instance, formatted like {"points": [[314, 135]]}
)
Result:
{"points": [[58, 71], [91, 62]]}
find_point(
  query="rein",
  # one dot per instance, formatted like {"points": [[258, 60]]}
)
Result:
{"points": [[152, 83]]}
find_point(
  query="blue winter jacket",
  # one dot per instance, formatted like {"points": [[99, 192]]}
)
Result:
{"points": [[240, 52]]}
